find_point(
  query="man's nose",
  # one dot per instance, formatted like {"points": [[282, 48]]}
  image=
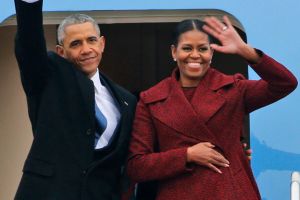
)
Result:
{"points": [[85, 48]]}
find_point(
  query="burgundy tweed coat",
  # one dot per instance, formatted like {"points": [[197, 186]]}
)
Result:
{"points": [[166, 124]]}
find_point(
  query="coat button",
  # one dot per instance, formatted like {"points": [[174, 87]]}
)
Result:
{"points": [[89, 131], [84, 172]]}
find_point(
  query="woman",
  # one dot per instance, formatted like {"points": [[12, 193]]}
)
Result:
{"points": [[187, 129]]}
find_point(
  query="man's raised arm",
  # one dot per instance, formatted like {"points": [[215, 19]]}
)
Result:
{"points": [[30, 45]]}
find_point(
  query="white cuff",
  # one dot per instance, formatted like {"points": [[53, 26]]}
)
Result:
{"points": [[30, 1]]}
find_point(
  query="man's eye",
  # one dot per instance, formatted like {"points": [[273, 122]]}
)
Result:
{"points": [[93, 39], [74, 44]]}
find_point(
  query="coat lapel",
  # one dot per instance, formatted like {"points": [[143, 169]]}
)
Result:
{"points": [[188, 118], [87, 93], [78, 104], [206, 101], [123, 106], [119, 102], [175, 111]]}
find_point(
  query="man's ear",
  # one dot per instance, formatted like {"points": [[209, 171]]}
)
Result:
{"points": [[102, 43], [60, 50]]}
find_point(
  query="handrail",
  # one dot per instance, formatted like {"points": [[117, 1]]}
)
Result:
{"points": [[295, 186]]}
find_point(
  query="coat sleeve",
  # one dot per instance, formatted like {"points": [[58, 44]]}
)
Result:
{"points": [[30, 46], [145, 163], [276, 82]]}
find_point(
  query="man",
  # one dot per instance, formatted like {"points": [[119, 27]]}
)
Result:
{"points": [[81, 120]]}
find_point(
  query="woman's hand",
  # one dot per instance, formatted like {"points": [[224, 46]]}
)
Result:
{"points": [[204, 154], [231, 42]]}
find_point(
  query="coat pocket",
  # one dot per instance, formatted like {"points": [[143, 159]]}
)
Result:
{"points": [[39, 167]]}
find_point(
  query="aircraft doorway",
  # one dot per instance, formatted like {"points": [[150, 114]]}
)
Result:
{"points": [[137, 56]]}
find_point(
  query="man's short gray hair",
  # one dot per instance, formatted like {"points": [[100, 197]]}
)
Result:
{"points": [[71, 20]]}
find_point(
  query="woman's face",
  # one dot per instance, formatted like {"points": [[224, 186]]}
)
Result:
{"points": [[193, 55]]}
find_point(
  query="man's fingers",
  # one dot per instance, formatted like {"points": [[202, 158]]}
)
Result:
{"points": [[249, 151]]}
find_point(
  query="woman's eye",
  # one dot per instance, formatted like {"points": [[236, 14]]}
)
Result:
{"points": [[203, 49], [186, 48]]}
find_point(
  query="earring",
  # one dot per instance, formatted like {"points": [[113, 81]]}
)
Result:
{"points": [[174, 59]]}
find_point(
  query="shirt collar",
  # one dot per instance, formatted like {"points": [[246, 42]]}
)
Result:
{"points": [[96, 80]]}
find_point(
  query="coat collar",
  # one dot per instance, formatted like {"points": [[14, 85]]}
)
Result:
{"points": [[171, 107], [213, 80]]}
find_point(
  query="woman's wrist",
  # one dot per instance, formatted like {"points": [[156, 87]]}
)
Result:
{"points": [[249, 53], [188, 155]]}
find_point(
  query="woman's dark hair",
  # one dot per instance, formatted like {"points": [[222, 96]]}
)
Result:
{"points": [[188, 25]]}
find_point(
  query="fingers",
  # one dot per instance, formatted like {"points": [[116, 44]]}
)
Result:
{"points": [[211, 31], [248, 152], [215, 27], [220, 31], [216, 162], [204, 154], [220, 160], [214, 168], [218, 48], [230, 40], [208, 144], [227, 21], [217, 158]]}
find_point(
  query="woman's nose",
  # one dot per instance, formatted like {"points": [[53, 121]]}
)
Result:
{"points": [[195, 54]]}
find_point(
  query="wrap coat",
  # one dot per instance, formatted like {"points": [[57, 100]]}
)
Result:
{"points": [[166, 124]]}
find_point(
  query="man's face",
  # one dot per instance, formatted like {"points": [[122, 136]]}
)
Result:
{"points": [[82, 46]]}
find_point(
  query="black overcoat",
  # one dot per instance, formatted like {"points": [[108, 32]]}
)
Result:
{"points": [[61, 163]]}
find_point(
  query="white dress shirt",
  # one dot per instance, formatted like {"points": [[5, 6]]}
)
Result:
{"points": [[106, 104]]}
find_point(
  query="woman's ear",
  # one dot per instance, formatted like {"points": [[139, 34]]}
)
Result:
{"points": [[173, 51]]}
